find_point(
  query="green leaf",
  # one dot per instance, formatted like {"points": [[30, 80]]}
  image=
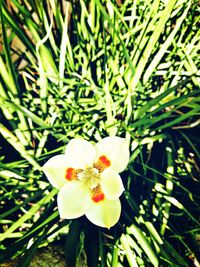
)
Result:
{"points": [[72, 243]]}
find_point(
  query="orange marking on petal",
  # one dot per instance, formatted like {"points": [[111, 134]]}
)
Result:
{"points": [[72, 174], [102, 163], [105, 161], [69, 174], [97, 194], [98, 198]]}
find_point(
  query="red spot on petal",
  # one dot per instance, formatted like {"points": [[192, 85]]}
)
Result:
{"points": [[105, 161], [98, 197], [102, 163], [69, 174], [97, 194], [72, 174]]}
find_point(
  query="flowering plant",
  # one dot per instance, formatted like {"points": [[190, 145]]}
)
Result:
{"points": [[88, 178]]}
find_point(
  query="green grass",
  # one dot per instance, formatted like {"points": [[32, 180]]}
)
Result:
{"points": [[91, 69]]}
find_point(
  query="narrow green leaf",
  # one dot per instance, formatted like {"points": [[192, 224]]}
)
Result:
{"points": [[143, 242], [28, 215], [164, 16], [165, 45], [72, 243], [130, 255], [19, 32], [140, 112], [13, 140]]}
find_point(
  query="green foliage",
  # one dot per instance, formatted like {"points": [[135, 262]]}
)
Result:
{"points": [[91, 69]]}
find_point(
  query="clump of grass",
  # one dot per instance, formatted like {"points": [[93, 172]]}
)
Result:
{"points": [[92, 69]]}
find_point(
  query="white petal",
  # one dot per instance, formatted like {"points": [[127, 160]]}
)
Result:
{"points": [[73, 200], [105, 213], [55, 170], [116, 150], [111, 184], [80, 153]]}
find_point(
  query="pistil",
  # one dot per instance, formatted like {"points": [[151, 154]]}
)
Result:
{"points": [[90, 176]]}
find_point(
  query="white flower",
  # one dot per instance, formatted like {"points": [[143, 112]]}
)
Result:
{"points": [[88, 179]]}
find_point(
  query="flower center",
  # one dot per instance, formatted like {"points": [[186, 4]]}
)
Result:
{"points": [[90, 176]]}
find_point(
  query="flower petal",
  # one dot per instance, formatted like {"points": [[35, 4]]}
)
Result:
{"points": [[105, 213], [114, 152], [80, 153], [73, 200], [55, 170], [111, 184]]}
